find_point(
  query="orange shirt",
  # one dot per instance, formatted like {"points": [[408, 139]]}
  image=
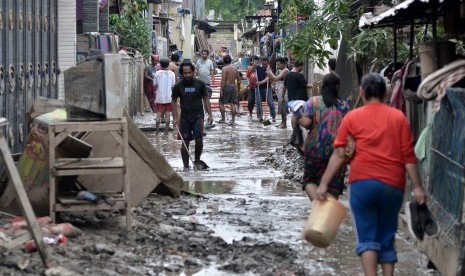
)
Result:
{"points": [[383, 143]]}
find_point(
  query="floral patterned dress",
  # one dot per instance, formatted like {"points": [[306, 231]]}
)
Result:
{"points": [[319, 142]]}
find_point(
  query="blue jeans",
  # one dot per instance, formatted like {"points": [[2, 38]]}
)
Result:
{"points": [[260, 96], [375, 207]]}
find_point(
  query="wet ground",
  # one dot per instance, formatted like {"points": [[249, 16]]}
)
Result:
{"points": [[242, 217]]}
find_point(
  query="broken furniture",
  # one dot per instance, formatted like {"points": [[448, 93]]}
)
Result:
{"points": [[113, 164], [24, 203]]}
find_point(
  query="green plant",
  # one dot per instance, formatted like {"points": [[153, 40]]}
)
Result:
{"points": [[234, 9], [132, 27], [325, 24]]}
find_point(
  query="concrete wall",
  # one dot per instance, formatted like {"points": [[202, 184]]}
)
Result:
{"points": [[186, 44]]}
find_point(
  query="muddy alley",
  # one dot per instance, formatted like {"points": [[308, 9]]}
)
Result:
{"points": [[242, 217]]}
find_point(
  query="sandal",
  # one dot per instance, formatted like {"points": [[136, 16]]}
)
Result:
{"points": [[222, 121]]}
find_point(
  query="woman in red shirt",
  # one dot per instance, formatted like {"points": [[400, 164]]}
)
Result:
{"points": [[383, 153]]}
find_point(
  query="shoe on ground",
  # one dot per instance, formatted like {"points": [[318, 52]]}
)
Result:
{"points": [[186, 169], [250, 118], [260, 120], [281, 126], [231, 123], [413, 220], [273, 120], [222, 121]]}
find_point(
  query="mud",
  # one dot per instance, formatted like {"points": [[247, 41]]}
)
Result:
{"points": [[242, 217]]}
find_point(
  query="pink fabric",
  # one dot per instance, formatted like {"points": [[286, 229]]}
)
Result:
{"points": [[397, 97]]}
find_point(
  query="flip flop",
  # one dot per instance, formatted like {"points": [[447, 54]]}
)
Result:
{"points": [[208, 126]]}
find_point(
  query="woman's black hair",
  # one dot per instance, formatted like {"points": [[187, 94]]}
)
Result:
{"points": [[330, 89], [374, 86]]}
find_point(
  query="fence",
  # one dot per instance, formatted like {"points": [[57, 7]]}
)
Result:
{"points": [[447, 171]]}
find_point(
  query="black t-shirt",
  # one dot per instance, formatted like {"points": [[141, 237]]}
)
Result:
{"points": [[296, 86], [191, 94], [261, 75]]}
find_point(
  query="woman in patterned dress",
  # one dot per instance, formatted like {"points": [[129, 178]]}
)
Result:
{"points": [[323, 115]]}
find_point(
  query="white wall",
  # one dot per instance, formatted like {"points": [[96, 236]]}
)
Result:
{"points": [[66, 39]]}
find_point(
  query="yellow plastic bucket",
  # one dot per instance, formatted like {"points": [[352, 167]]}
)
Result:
{"points": [[324, 221]]}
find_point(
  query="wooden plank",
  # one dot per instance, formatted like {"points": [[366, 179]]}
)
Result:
{"points": [[119, 205], [88, 163], [91, 171], [24, 203], [75, 126]]}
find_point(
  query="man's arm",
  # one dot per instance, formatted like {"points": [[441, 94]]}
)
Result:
{"points": [[212, 72], [223, 80], [147, 75], [206, 101], [283, 94], [174, 107]]}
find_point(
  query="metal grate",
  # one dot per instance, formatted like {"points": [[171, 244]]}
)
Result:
{"points": [[446, 170]]}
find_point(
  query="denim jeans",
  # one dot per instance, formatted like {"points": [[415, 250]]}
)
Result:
{"points": [[260, 96]]}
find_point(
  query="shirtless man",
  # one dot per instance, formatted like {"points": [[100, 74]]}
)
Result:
{"points": [[228, 93], [174, 65]]}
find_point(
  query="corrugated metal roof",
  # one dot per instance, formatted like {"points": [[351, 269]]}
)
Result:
{"points": [[402, 13]]}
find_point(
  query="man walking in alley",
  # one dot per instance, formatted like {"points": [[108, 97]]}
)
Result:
{"points": [[191, 92], [204, 70], [279, 79], [295, 86], [252, 78], [174, 65], [164, 81], [228, 93], [149, 75], [263, 90]]}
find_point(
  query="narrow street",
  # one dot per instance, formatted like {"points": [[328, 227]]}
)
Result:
{"points": [[247, 199]]}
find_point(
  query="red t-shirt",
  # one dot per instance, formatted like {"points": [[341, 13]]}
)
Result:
{"points": [[252, 77], [383, 143]]}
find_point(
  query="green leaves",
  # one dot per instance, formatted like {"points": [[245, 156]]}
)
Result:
{"points": [[132, 27], [234, 9], [326, 23]]}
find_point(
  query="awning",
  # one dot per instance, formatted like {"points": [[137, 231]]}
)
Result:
{"points": [[403, 14]]}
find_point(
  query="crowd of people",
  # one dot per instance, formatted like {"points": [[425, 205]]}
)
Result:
{"points": [[375, 139]]}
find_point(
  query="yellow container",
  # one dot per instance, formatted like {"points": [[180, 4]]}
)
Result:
{"points": [[324, 221]]}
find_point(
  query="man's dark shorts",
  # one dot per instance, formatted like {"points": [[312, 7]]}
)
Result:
{"points": [[229, 95], [191, 128], [209, 90]]}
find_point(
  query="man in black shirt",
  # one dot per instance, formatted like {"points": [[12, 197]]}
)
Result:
{"points": [[296, 87], [263, 90], [191, 92]]}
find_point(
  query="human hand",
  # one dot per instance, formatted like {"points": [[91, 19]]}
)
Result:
{"points": [[419, 194], [321, 192]]}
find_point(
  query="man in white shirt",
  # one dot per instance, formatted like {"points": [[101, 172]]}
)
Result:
{"points": [[164, 81], [204, 70]]}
